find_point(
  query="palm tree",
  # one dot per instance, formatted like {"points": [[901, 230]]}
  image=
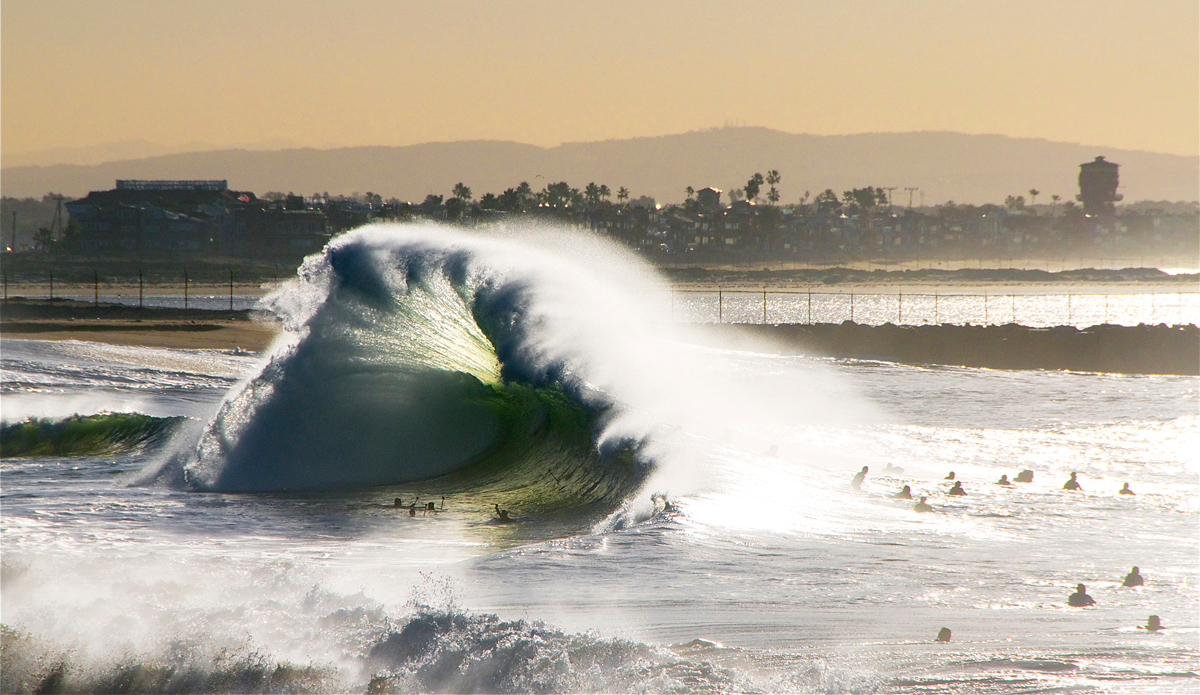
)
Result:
{"points": [[773, 178], [690, 192], [752, 186], [1054, 203], [1033, 194], [622, 194], [462, 192], [604, 191]]}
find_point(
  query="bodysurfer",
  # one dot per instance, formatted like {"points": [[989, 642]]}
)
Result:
{"points": [[904, 494], [957, 489], [951, 476], [1153, 624], [1080, 598], [502, 514], [1133, 578], [1072, 484], [1003, 480], [1125, 490], [857, 482], [921, 506]]}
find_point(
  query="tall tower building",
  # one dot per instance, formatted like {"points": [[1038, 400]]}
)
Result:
{"points": [[1098, 182]]}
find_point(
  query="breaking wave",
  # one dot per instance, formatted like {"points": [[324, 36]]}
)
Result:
{"points": [[416, 353], [85, 435]]}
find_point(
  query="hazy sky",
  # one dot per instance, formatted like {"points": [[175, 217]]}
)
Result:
{"points": [[386, 72]]}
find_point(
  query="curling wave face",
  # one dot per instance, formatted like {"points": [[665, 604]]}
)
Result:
{"points": [[414, 353]]}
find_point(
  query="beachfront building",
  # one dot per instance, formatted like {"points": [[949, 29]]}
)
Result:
{"points": [[147, 218]]}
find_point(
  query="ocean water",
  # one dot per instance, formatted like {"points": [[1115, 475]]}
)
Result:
{"points": [[258, 548]]}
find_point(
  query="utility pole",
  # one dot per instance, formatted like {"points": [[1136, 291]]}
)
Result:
{"points": [[889, 189], [910, 190]]}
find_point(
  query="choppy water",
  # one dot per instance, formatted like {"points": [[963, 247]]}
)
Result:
{"points": [[771, 575]]}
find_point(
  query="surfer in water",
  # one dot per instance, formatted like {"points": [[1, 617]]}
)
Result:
{"points": [[502, 514], [1072, 484], [1080, 598], [951, 476], [1133, 578], [1125, 490], [904, 494], [957, 489], [858, 479], [1025, 476], [1003, 480], [943, 635], [1153, 624], [921, 506]]}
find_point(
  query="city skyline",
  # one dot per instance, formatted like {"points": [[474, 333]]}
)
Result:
{"points": [[269, 75]]}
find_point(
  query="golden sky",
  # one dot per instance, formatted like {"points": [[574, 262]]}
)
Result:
{"points": [[388, 72]]}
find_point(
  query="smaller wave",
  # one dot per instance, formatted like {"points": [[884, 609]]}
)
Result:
{"points": [[85, 435]]}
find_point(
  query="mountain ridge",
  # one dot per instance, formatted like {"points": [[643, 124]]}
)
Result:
{"points": [[944, 165]]}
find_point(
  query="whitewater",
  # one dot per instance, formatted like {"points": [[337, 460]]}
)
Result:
{"points": [[681, 512]]}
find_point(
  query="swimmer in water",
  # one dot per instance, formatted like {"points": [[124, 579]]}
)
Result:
{"points": [[659, 499], [894, 470], [1153, 624], [503, 514], [1080, 598], [858, 479], [957, 489], [950, 477], [1025, 476], [1133, 578], [904, 494], [1125, 490], [397, 503], [1003, 480], [1072, 484], [921, 506], [943, 635]]}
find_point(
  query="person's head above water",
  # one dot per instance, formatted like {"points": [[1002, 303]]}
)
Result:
{"points": [[943, 635], [1080, 589], [1153, 623], [864, 469], [951, 476]]}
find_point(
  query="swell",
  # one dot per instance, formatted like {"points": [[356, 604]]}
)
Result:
{"points": [[85, 435]]}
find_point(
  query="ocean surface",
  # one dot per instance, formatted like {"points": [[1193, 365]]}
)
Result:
{"points": [[258, 546]]}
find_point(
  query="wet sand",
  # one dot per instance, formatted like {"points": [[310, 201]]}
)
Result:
{"points": [[122, 325]]}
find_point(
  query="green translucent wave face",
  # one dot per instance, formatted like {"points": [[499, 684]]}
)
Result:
{"points": [[83, 435]]}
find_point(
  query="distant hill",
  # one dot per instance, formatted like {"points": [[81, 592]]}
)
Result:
{"points": [[945, 166]]}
